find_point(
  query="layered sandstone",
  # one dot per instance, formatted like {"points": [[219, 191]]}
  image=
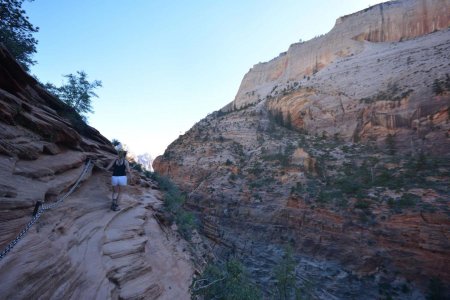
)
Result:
{"points": [[83, 250], [391, 21], [386, 89], [79, 249]]}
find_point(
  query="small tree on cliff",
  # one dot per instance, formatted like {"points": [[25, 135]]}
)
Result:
{"points": [[437, 87], [225, 281], [115, 142], [285, 276], [16, 32], [77, 92]]}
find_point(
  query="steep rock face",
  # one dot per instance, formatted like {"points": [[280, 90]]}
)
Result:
{"points": [[43, 144], [257, 186], [79, 249], [35, 122], [386, 22], [349, 166], [386, 89]]}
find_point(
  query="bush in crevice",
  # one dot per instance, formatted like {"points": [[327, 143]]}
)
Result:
{"points": [[227, 280], [436, 290], [173, 206], [285, 276]]}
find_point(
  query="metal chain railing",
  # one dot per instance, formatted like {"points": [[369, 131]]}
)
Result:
{"points": [[45, 207], [41, 209]]}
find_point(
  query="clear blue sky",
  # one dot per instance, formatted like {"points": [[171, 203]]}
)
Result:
{"points": [[164, 64]]}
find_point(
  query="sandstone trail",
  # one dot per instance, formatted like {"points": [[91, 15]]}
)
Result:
{"points": [[83, 250]]}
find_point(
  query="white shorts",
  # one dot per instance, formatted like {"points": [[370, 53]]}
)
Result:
{"points": [[119, 180]]}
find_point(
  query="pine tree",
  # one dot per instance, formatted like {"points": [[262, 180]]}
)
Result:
{"points": [[437, 89], [288, 123], [285, 276], [390, 143], [16, 32], [77, 92]]}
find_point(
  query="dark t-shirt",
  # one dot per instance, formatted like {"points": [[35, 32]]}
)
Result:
{"points": [[119, 170]]}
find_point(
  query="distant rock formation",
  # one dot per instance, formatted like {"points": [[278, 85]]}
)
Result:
{"points": [[391, 21], [145, 160]]}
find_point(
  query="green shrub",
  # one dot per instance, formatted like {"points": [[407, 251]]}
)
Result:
{"points": [[298, 188], [256, 169], [388, 179], [391, 202], [436, 290], [312, 189], [173, 204], [390, 144], [186, 223], [326, 196], [225, 281], [74, 118], [341, 202], [361, 204], [285, 277], [232, 177], [137, 167], [438, 87], [421, 163], [407, 200], [282, 158], [347, 185]]}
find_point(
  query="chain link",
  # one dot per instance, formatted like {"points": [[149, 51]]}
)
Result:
{"points": [[45, 207], [42, 209]]}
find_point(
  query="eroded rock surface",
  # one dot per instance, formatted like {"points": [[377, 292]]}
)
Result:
{"points": [[83, 250]]}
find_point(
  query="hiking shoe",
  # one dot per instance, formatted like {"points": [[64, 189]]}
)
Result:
{"points": [[115, 207]]}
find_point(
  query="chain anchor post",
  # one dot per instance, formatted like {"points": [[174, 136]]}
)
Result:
{"points": [[36, 208]]}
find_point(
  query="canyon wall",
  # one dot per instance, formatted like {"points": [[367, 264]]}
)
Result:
{"points": [[340, 149]]}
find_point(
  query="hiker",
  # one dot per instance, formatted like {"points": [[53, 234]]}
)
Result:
{"points": [[119, 178]]}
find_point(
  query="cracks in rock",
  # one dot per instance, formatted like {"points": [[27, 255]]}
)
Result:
{"points": [[342, 107], [359, 126], [423, 218]]}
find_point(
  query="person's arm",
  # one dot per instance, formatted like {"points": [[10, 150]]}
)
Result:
{"points": [[127, 165], [110, 165]]}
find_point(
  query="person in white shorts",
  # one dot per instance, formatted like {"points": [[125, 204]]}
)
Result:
{"points": [[119, 177]]}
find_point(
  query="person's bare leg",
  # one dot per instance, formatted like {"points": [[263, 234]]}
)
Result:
{"points": [[116, 190], [119, 190]]}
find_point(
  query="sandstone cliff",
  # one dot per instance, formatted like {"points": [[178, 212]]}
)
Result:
{"points": [[391, 21], [343, 155], [80, 249]]}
